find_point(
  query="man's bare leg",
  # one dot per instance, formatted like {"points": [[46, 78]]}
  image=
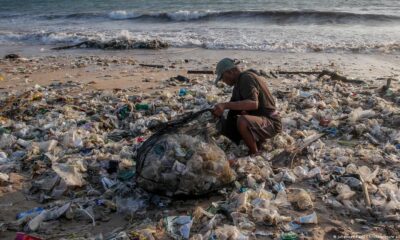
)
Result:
{"points": [[243, 128]]}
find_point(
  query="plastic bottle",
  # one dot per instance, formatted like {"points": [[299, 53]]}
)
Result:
{"points": [[308, 219], [33, 211], [123, 112], [289, 236], [182, 92], [142, 106]]}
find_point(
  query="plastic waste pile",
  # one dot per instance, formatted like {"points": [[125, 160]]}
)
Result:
{"points": [[180, 164], [80, 151]]}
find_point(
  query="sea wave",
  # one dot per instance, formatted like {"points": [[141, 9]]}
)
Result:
{"points": [[278, 16], [273, 16], [122, 14], [173, 16], [184, 40]]}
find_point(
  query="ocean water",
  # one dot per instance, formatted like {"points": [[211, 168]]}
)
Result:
{"points": [[268, 25]]}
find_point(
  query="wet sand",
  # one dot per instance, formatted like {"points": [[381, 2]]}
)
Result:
{"points": [[121, 69]]}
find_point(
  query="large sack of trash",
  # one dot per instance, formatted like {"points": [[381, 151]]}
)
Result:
{"points": [[173, 162]]}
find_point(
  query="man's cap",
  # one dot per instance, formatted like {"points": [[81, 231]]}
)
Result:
{"points": [[223, 66]]}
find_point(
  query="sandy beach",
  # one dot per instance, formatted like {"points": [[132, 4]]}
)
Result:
{"points": [[120, 71]]}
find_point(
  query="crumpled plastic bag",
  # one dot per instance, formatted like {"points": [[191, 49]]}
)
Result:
{"points": [[359, 114], [228, 232], [69, 173], [178, 227], [6, 141]]}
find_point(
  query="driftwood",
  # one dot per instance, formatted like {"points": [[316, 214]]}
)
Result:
{"points": [[299, 72], [200, 72], [367, 200], [287, 157], [371, 139], [386, 87], [273, 74], [152, 65], [335, 76]]}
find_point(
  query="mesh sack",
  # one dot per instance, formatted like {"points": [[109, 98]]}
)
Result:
{"points": [[181, 159]]}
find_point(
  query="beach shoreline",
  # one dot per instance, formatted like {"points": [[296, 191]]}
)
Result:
{"points": [[121, 68]]}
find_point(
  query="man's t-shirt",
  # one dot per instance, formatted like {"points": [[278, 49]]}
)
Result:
{"points": [[250, 86]]}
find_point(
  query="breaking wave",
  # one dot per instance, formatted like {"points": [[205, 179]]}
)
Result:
{"points": [[187, 40], [280, 17]]}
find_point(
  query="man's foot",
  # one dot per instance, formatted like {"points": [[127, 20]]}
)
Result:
{"points": [[258, 153], [260, 145]]}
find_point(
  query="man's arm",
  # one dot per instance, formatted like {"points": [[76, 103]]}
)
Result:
{"points": [[248, 91], [244, 105]]}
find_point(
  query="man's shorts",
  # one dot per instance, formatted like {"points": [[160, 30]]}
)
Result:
{"points": [[261, 128]]}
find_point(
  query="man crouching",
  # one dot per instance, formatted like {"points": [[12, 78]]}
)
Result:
{"points": [[252, 112]]}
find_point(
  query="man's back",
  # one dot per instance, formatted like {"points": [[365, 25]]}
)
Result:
{"points": [[251, 86]]}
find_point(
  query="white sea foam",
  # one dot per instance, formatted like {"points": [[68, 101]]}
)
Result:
{"points": [[216, 39], [187, 15], [122, 14]]}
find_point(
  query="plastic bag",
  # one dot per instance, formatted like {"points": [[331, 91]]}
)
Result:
{"points": [[178, 227], [228, 232], [73, 139], [308, 219], [69, 173], [300, 198], [344, 191], [183, 165], [359, 114], [6, 141]]}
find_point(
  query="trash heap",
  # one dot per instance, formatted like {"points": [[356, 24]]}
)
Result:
{"points": [[79, 148], [179, 164]]}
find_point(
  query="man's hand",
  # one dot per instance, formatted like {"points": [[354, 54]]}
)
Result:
{"points": [[218, 109]]}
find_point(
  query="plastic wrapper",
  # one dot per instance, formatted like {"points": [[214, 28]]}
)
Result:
{"points": [[333, 203], [308, 219], [359, 114], [281, 199], [6, 141], [71, 174], [3, 158], [4, 177], [131, 205], [73, 139], [178, 227], [268, 215], [300, 198], [228, 232], [366, 174], [241, 221], [48, 146], [344, 192], [242, 202]]}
